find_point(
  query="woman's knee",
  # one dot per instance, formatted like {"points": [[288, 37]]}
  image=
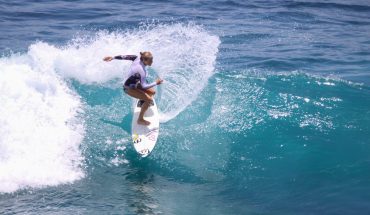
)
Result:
{"points": [[150, 91], [149, 98]]}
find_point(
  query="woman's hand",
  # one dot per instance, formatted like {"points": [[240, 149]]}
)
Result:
{"points": [[159, 81], [107, 59]]}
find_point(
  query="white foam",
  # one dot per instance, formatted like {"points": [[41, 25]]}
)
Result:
{"points": [[185, 58], [39, 135]]}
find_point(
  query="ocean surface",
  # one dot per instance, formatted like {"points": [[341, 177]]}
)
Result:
{"points": [[265, 108]]}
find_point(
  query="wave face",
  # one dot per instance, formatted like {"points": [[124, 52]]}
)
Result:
{"points": [[40, 111]]}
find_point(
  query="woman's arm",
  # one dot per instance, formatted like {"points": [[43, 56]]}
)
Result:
{"points": [[125, 57], [144, 84], [120, 57]]}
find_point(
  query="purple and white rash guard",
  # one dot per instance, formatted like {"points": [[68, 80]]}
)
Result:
{"points": [[136, 76]]}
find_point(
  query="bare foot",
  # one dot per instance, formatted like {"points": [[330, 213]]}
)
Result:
{"points": [[143, 122]]}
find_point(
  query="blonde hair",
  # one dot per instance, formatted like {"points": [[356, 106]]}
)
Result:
{"points": [[146, 54]]}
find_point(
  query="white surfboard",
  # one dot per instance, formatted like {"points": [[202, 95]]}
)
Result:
{"points": [[145, 137]]}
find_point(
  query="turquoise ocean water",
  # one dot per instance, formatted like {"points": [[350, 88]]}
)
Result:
{"points": [[265, 107]]}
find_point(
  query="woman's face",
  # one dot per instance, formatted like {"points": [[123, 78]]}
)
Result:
{"points": [[148, 61]]}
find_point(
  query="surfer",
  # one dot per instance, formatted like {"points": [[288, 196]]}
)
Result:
{"points": [[135, 84]]}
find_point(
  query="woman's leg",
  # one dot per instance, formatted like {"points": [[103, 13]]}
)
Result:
{"points": [[139, 94], [150, 91]]}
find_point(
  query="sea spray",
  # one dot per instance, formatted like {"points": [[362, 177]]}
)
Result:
{"points": [[40, 131]]}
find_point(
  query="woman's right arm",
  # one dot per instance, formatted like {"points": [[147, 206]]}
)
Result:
{"points": [[120, 57]]}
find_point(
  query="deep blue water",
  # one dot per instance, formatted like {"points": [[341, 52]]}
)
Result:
{"points": [[265, 107]]}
